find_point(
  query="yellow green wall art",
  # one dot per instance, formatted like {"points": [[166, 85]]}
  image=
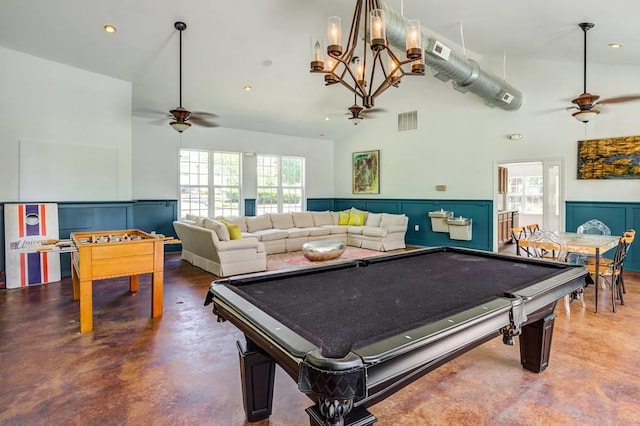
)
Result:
{"points": [[366, 172], [611, 158]]}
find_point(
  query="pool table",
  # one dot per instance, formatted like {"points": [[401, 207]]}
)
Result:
{"points": [[353, 333]]}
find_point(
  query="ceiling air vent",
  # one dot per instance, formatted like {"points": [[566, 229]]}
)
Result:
{"points": [[407, 121]]}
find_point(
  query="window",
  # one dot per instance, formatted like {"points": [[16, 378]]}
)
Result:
{"points": [[280, 184], [525, 194], [209, 183]]}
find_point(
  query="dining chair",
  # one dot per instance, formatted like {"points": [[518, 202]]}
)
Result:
{"points": [[548, 246], [604, 262], [533, 228], [593, 227], [518, 233], [613, 272]]}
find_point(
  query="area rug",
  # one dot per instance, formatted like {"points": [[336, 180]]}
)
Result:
{"points": [[297, 260]]}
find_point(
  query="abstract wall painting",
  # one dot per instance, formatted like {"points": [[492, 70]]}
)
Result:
{"points": [[366, 172], [611, 158]]}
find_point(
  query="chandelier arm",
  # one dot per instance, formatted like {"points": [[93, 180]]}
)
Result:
{"points": [[353, 33], [357, 88], [376, 58]]}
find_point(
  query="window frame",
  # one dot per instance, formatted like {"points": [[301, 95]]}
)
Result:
{"points": [[211, 186], [279, 189]]}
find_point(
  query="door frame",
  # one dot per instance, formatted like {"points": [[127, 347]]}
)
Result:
{"points": [[561, 190]]}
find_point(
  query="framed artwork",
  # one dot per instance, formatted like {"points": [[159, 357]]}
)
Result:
{"points": [[612, 158], [366, 172]]}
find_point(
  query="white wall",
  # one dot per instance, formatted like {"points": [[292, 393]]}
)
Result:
{"points": [[47, 102], [458, 141], [155, 157], [459, 138]]}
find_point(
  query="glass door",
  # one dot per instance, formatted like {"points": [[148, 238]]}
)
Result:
{"points": [[553, 206]]}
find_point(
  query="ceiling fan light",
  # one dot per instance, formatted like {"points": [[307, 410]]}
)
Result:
{"points": [[586, 115], [180, 126]]}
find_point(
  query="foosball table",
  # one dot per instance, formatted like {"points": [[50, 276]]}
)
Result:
{"points": [[112, 254]]}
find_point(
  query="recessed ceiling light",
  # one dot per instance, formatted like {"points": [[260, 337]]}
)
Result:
{"points": [[247, 88], [110, 28], [615, 45], [327, 118]]}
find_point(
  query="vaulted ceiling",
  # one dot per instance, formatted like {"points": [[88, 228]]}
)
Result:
{"points": [[265, 44]]}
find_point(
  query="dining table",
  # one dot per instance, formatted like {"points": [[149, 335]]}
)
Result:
{"points": [[588, 244]]}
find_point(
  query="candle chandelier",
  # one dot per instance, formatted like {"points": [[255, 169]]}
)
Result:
{"points": [[370, 71]]}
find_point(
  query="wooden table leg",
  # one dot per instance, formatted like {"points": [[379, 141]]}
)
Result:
{"points": [[597, 274], [134, 281], [86, 306], [75, 281], [156, 294]]}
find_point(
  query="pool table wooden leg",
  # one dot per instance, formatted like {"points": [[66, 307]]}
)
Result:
{"points": [[535, 343], [257, 372]]}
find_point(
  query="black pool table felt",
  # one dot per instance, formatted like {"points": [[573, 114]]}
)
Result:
{"points": [[348, 308]]}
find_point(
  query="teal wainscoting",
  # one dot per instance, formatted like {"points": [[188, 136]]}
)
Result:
{"points": [[146, 215], [480, 211], [618, 216]]}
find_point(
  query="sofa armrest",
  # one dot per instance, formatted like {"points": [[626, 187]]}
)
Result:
{"points": [[244, 243], [395, 228]]}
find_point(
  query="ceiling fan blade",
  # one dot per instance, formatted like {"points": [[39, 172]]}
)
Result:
{"points": [[150, 113], [376, 109], [620, 99], [204, 114], [199, 121]]}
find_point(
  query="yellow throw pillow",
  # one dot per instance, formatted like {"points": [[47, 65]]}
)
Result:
{"points": [[235, 233], [357, 219], [343, 219]]}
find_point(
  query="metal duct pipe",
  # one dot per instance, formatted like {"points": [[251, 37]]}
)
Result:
{"points": [[448, 64]]}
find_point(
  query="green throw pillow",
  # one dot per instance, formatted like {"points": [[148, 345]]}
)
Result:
{"points": [[343, 219], [357, 219]]}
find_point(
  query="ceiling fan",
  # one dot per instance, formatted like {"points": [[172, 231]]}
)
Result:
{"points": [[586, 102], [357, 113], [182, 118]]}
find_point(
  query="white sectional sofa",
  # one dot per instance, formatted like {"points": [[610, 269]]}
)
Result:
{"points": [[283, 232], [202, 247]]}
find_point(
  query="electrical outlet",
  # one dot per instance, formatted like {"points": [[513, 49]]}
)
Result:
{"points": [[416, 228]]}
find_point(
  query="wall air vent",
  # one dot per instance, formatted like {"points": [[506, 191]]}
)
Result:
{"points": [[407, 121]]}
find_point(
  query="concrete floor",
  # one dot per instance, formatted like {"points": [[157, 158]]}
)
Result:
{"points": [[182, 369]]}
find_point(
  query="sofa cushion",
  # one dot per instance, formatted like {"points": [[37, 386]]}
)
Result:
{"points": [[271, 234], [302, 219], [374, 231], [335, 229], [220, 228], [389, 219], [357, 218], [281, 220], [322, 218], [258, 223], [343, 218], [356, 230], [197, 220], [297, 232], [335, 217], [316, 231], [373, 219], [240, 221]]}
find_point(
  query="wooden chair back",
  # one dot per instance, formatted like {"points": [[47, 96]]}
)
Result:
{"points": [[518, 233]]}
